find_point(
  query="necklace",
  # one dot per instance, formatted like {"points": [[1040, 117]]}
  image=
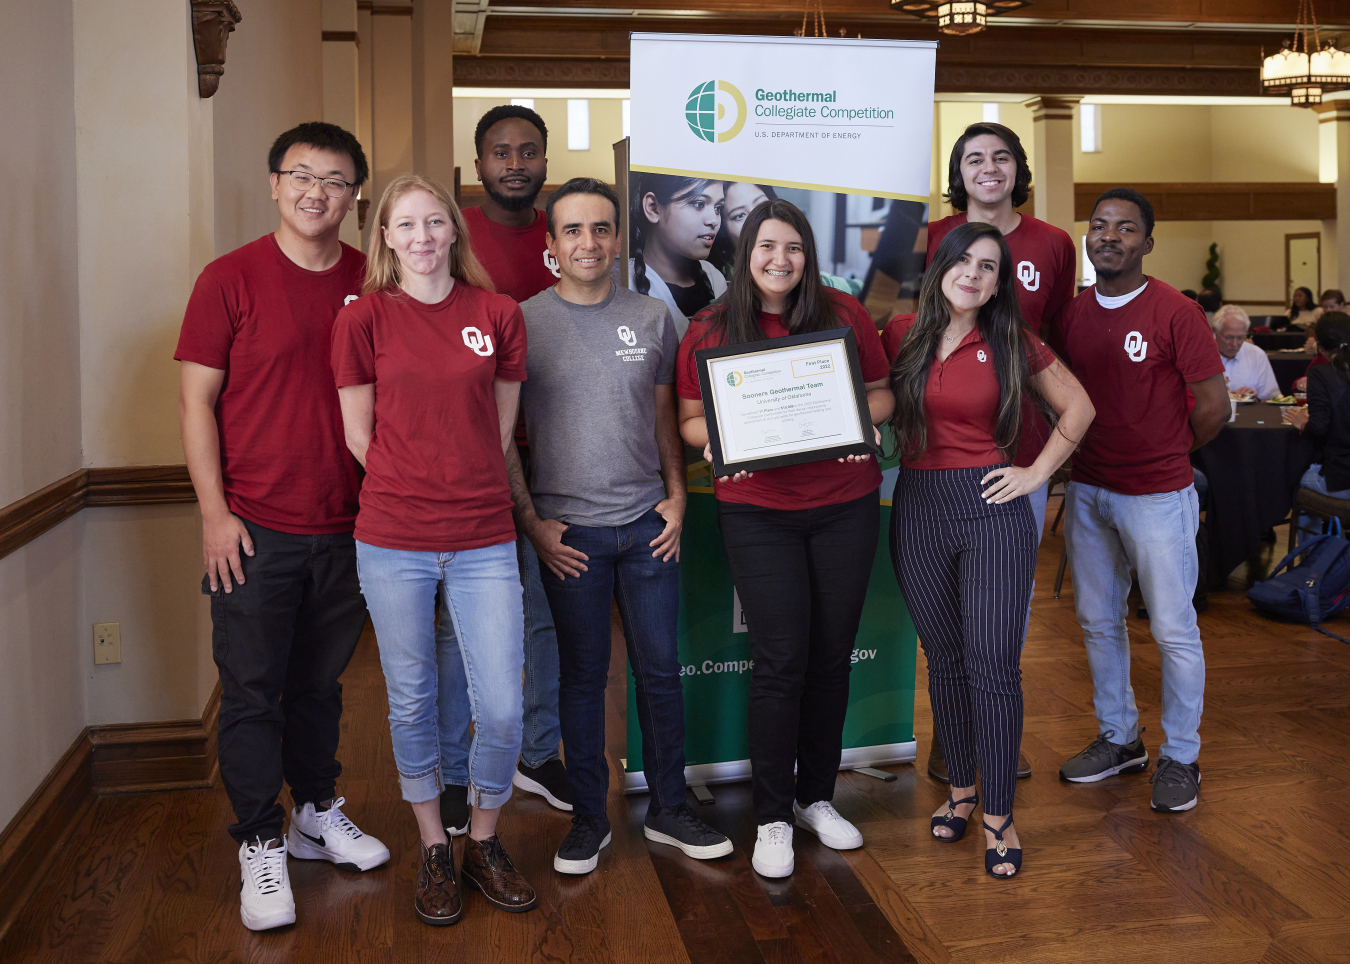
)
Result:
{"points": [[947, 338]]}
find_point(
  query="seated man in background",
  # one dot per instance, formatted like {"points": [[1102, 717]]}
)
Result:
{"points": [[1333, 300], [1246, 368]]}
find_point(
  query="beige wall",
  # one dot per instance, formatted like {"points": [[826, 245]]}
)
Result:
{"points": [[39, 314], [273, 81], [563, 165], [119, 193], [391, 101]]}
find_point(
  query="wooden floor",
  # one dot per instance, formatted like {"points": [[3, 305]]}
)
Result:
{"points": [[1258, 872]]}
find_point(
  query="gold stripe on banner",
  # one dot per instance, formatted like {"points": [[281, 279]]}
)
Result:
{"points": [[747, 179]]}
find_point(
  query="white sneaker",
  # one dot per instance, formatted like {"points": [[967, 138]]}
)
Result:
{"points": [[265, 898], [773, 850], [329, 835], [824, 821]]}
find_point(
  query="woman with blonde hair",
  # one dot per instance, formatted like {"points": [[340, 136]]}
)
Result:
{"points": [[428, 366]]}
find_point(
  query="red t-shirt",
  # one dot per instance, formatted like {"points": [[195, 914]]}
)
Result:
{"points": [[961, 401], [1135, 362], [266, 322], [811, 484], [1045, 265], [435, 475], [516, 259]]}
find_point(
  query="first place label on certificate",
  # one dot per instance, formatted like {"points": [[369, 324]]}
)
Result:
{"points": [[797, 403]]}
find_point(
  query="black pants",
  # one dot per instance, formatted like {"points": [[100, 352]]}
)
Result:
{"points": [[966, 569], [280, 641], [802, 577]]}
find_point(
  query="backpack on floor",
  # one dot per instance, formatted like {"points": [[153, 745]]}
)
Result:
{"points": [[1315, 589]]}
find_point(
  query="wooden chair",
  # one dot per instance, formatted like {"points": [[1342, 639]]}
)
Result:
{"points": [[1324, 507]]}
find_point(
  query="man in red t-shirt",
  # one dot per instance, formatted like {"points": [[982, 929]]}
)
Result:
{"points": [[510, 237], [262, 433], [987, 178], [1138, 346]]}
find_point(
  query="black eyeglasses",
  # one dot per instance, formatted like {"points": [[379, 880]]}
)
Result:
{"points": [[303, 181]]}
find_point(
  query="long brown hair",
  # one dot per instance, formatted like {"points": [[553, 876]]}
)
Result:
{"points": [[382, 267], [1333, 338], [1002, 328], [808, 307]]}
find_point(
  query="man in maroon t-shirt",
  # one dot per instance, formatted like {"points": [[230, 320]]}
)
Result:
{"points": [[510, 237], [262, 433], [987, 178], [1141, 349]]}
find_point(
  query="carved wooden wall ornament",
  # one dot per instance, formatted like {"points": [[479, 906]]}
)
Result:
{"points": [[212, 22]]}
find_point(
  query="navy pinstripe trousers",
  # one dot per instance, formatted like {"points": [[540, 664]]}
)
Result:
{"points": [[966, 570]]}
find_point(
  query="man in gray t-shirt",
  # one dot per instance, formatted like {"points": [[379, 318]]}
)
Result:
{"points": [[590, 404], [604, 508]]}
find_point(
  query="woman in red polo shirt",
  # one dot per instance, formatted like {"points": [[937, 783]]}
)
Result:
{"points": [[962, 529], [428, 365], [799, 539]]}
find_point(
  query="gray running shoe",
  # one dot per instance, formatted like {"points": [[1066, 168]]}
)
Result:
{"points": [[1176, 786], [1103, 759]]}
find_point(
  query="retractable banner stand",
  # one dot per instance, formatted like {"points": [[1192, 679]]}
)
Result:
{"points": [[843, 129]]}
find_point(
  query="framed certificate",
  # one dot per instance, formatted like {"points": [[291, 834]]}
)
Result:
{"points": [[784, 401]]}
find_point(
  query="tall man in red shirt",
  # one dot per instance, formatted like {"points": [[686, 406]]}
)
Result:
{"points": [[262, 433], [987, 177], [510, 237], [1139, 347]]}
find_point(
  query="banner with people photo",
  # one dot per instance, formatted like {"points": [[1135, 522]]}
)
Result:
{"points": [[842, 129]]}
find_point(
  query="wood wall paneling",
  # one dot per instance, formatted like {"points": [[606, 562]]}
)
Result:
{"points": [[1222, 202], [127, 758], [25, 520]]}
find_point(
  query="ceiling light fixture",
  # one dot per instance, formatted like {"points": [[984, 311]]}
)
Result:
{"points": [[1305, 68], [958, 17]]}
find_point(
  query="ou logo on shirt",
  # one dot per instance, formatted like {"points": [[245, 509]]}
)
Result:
{"points": [[627, 335], [1029, 276], [1135, 346], [479, 342], [551, 263]]}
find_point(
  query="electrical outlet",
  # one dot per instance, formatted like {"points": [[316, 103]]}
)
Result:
{"points": [[107, 643]]}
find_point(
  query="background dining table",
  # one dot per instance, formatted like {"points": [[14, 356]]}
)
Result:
{"points": [[1253, 465], [1289, 365]]}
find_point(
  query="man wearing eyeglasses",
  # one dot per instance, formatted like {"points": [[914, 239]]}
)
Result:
{"points": [[277, 489]]}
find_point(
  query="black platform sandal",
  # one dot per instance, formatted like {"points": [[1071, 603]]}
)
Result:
{"points": [[950, 819], [1001, 853]]}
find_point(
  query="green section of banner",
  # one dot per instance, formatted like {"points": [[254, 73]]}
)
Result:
{"points": [[716, 660]]}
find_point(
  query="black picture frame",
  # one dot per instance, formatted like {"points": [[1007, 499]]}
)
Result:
{"points": [[702, 356]]}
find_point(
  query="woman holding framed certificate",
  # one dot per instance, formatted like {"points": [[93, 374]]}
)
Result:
{"points": [[962, 530], [799, 537]]}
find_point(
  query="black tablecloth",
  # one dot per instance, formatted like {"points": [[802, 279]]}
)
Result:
{"points": [[1254, 466], [1280, 339], [1289, 366]]}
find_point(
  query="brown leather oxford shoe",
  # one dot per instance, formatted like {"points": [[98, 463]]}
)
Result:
{"points": [[438, 902], [488, 868]]}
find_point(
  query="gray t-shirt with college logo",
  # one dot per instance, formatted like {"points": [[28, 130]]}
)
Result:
{"points": [[590, 405]]}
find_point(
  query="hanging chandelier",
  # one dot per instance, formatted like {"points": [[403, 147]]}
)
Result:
{"points": [[1305, 68], [958, 17]]}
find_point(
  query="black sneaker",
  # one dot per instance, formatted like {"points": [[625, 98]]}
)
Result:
{"points": [[679, 827], [580, 849], [1103, 759], [1176, 786], [455, 810], [549, 780]]}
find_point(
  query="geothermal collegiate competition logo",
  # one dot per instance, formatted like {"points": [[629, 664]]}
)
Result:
{"points": [[706, 111], [734, 379]]}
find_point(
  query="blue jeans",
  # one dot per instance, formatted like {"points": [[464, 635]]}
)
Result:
{"points": [[620, 569], [540, 712], [480, 591], [1108, 534]]}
